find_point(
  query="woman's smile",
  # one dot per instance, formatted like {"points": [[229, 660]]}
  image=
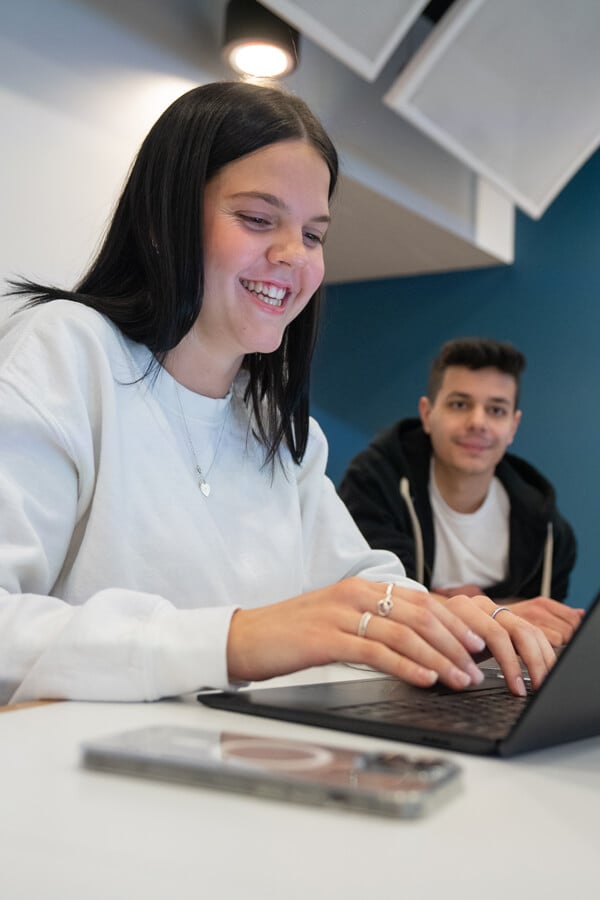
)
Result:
{"points": [[266, 292]]}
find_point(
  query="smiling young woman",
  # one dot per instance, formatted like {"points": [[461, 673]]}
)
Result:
{"points": [[265, 220], [167, 523]]}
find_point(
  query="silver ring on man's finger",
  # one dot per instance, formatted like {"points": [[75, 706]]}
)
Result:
{"points": [[385, 605], [364, 623], [500, 609]]}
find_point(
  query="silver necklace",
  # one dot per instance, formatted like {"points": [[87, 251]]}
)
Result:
{"points": [[202, 476]]}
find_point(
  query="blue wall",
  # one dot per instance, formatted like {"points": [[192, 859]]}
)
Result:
{"points": [[378, 339]]}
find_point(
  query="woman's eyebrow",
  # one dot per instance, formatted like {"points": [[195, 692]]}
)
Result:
{"points": [[272, 200]]}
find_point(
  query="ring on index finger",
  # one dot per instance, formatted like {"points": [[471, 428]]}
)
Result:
{"points": [[385, 605]]}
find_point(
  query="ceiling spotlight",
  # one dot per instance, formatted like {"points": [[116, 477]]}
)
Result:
{"points": [[256, 42]]}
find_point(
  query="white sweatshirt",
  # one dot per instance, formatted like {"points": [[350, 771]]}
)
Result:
{"points": [[118, 577]]}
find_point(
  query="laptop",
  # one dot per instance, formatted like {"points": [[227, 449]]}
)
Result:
{"points": [[483, 719]]}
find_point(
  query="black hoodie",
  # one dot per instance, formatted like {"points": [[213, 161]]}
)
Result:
{"points": [[386, 488]]}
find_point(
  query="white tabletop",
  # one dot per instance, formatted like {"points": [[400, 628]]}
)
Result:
{"points": [[525, 827]]}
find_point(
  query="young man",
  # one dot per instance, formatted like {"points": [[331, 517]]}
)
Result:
{"points": [[463, 515]]}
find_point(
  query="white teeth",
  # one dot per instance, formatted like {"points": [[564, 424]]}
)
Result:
{"points": [[268, 293]]}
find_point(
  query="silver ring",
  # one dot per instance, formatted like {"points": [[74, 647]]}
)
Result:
{"points": [[364, 623], [385, 605], [500, 609]]}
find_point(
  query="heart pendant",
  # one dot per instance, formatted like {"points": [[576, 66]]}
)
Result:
{"points": [[205, 488]]}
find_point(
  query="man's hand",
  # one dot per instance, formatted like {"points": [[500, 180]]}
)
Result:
{"points": [[557, 621]]}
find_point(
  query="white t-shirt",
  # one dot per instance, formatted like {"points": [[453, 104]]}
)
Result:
{"points": [[470, 548], [118, 578]]}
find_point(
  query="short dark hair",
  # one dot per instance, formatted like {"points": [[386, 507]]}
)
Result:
{"points": [[148, 275], [476, 353]]}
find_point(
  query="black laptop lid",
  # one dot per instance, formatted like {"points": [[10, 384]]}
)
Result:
{"points": [[567, 706]]}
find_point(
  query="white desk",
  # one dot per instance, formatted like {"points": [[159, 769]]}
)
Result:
{"points": [[523, 828]]}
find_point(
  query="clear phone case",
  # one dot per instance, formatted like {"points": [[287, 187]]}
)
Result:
{"points": [[389, 783]]}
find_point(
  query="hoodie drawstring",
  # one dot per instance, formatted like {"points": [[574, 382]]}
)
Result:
{"points": [[417, 533], [546, 585]]}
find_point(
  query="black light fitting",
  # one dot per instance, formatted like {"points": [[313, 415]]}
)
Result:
{"points": [[258, 43]]}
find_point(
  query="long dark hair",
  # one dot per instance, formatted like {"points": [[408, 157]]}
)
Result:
{"points": [[148, 276]]}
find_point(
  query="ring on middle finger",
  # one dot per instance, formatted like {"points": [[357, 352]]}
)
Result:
{"points": [[362, 625], [385, 605], [499, 609]]}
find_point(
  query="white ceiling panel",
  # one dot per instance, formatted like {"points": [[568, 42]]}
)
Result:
{"points": [[512, 89], [362, 36], [373, 237]]}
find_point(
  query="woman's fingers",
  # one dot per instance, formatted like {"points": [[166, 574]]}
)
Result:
{"points": [[382, 658], [509, 637], [418, 647], [410, 634]]}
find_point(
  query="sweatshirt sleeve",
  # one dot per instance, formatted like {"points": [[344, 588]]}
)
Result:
{"points": [[117, 644], [334, 546]]}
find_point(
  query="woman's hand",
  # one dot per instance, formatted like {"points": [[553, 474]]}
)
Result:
{"points": [[420, 641], [471, 590], [505, 634]]}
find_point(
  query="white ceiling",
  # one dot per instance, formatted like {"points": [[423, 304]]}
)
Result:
{"points": [[407, 202]]}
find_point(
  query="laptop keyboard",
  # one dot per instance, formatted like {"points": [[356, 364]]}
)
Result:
{"points": [[486, 714]]}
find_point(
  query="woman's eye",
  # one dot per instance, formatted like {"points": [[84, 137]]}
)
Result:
{"points": [[311, 238], [256, 221]]}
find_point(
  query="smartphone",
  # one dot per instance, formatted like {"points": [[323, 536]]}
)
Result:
{"points": [[387, 784]]}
